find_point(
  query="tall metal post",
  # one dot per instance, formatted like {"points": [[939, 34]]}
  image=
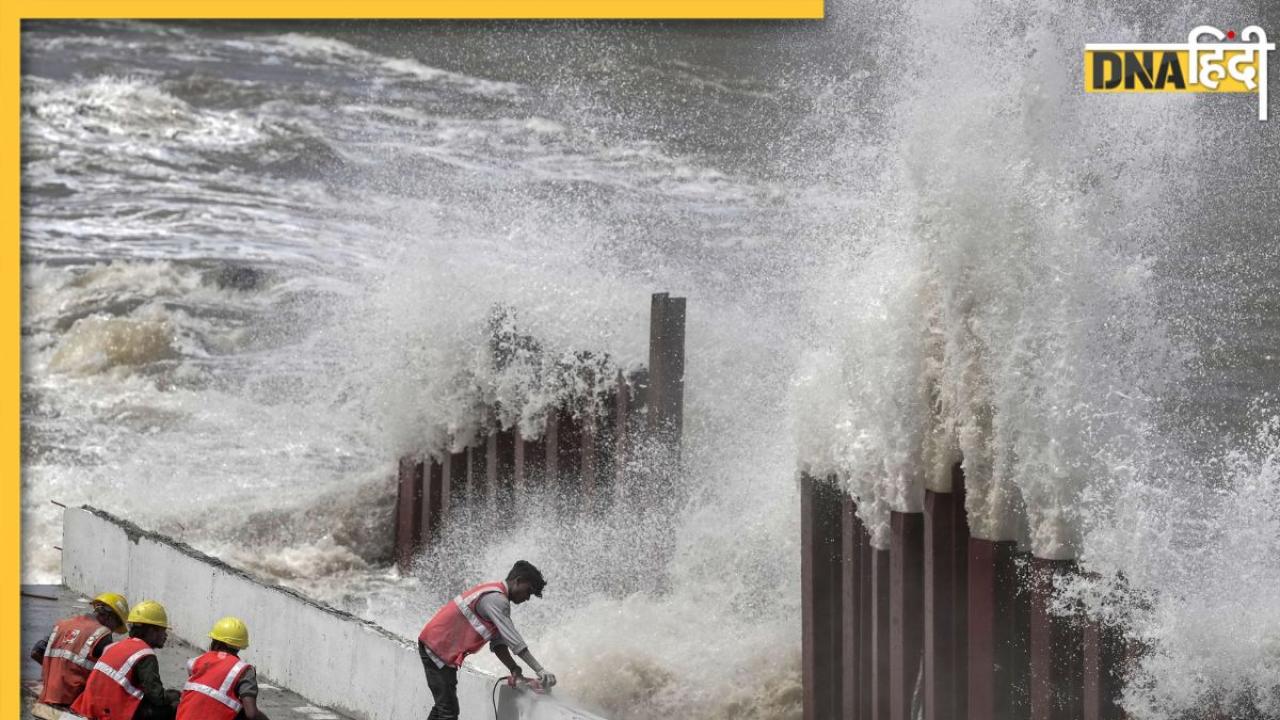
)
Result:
{"points": [[408, 531], [666, 371], [1057, 672], [820, 583], [946, 540], [906, 611], [1104, 666], [880, 634], [500, 471], [856, 634], [456, 487], [432, 507], [997, 632]]}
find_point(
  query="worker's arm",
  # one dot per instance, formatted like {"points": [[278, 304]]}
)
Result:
{"points": [[532, 662], [251, 709], [146, 673], [544, 676], [247, 691], [37, 650], [101, 647], [496, 608], [504, 654]]}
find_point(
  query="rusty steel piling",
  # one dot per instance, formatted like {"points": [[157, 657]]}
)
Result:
{"points": [[584, 456], [408, 525], [820, 570], [1057, 670], [906, 610], [945, 538], [851, 556]]}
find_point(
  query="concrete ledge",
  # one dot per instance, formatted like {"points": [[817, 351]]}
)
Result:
{"points": [[329, 656]]}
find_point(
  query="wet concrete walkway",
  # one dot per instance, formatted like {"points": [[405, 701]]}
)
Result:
{"points": [[43, 605]]}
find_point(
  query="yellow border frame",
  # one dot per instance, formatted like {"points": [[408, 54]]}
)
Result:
{"points": [[14, 12], [437, 10], [10, 368]]}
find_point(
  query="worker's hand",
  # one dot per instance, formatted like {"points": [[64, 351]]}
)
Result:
{"points": [[547, 679]]}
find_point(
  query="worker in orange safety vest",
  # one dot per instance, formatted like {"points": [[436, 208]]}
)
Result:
{"points": [[69, 653], [221, 686], [463, 626], [125, 683]]}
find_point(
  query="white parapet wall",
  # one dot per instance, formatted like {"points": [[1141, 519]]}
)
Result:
{"points": [[328, 656]]}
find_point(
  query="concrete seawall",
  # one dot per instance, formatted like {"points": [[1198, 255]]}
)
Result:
{"points": [[324, 654]]}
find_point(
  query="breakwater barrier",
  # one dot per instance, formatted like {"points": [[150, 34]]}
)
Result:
{"points": [[582, 452], [331, 657], [940, 624]]}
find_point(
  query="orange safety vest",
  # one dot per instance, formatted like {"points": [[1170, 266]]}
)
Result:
{"points": [[66, 660], [110, 694], [210, 692], [457, 630]]}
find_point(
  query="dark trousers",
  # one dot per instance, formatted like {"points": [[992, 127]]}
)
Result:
{"points": [[147, 711], [444, 687]]}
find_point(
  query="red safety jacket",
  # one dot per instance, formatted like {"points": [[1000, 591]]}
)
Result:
{"points": [[210, 692], [66, 660], [109, 693], [457, 630]]}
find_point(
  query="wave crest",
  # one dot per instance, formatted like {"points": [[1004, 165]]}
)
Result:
{"points": [[96, 344]]}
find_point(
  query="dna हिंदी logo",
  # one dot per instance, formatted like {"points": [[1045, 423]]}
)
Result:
{"points": [[1221, 65]]}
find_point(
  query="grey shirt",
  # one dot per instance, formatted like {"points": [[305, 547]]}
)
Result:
{"points": [[248, 685], [496, 608]]}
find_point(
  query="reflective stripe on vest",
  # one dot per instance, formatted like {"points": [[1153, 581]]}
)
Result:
{"points": [[464, 606], [457, 628], [79, 657], [121, 676], [109, 692], [221, 694], [66, 665], [211, 691]]}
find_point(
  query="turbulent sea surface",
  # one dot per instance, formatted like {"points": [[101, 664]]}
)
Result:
{"points": [[257, 257]]}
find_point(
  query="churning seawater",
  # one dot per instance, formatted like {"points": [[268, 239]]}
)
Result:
{"points": [[259, 258]]}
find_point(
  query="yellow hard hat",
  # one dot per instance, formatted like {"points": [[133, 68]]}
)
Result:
{"points": [[149, 612], [118, 605], [232, 631]]}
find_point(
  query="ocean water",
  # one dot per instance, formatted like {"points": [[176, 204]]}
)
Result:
{"points": [[259, 258]]}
